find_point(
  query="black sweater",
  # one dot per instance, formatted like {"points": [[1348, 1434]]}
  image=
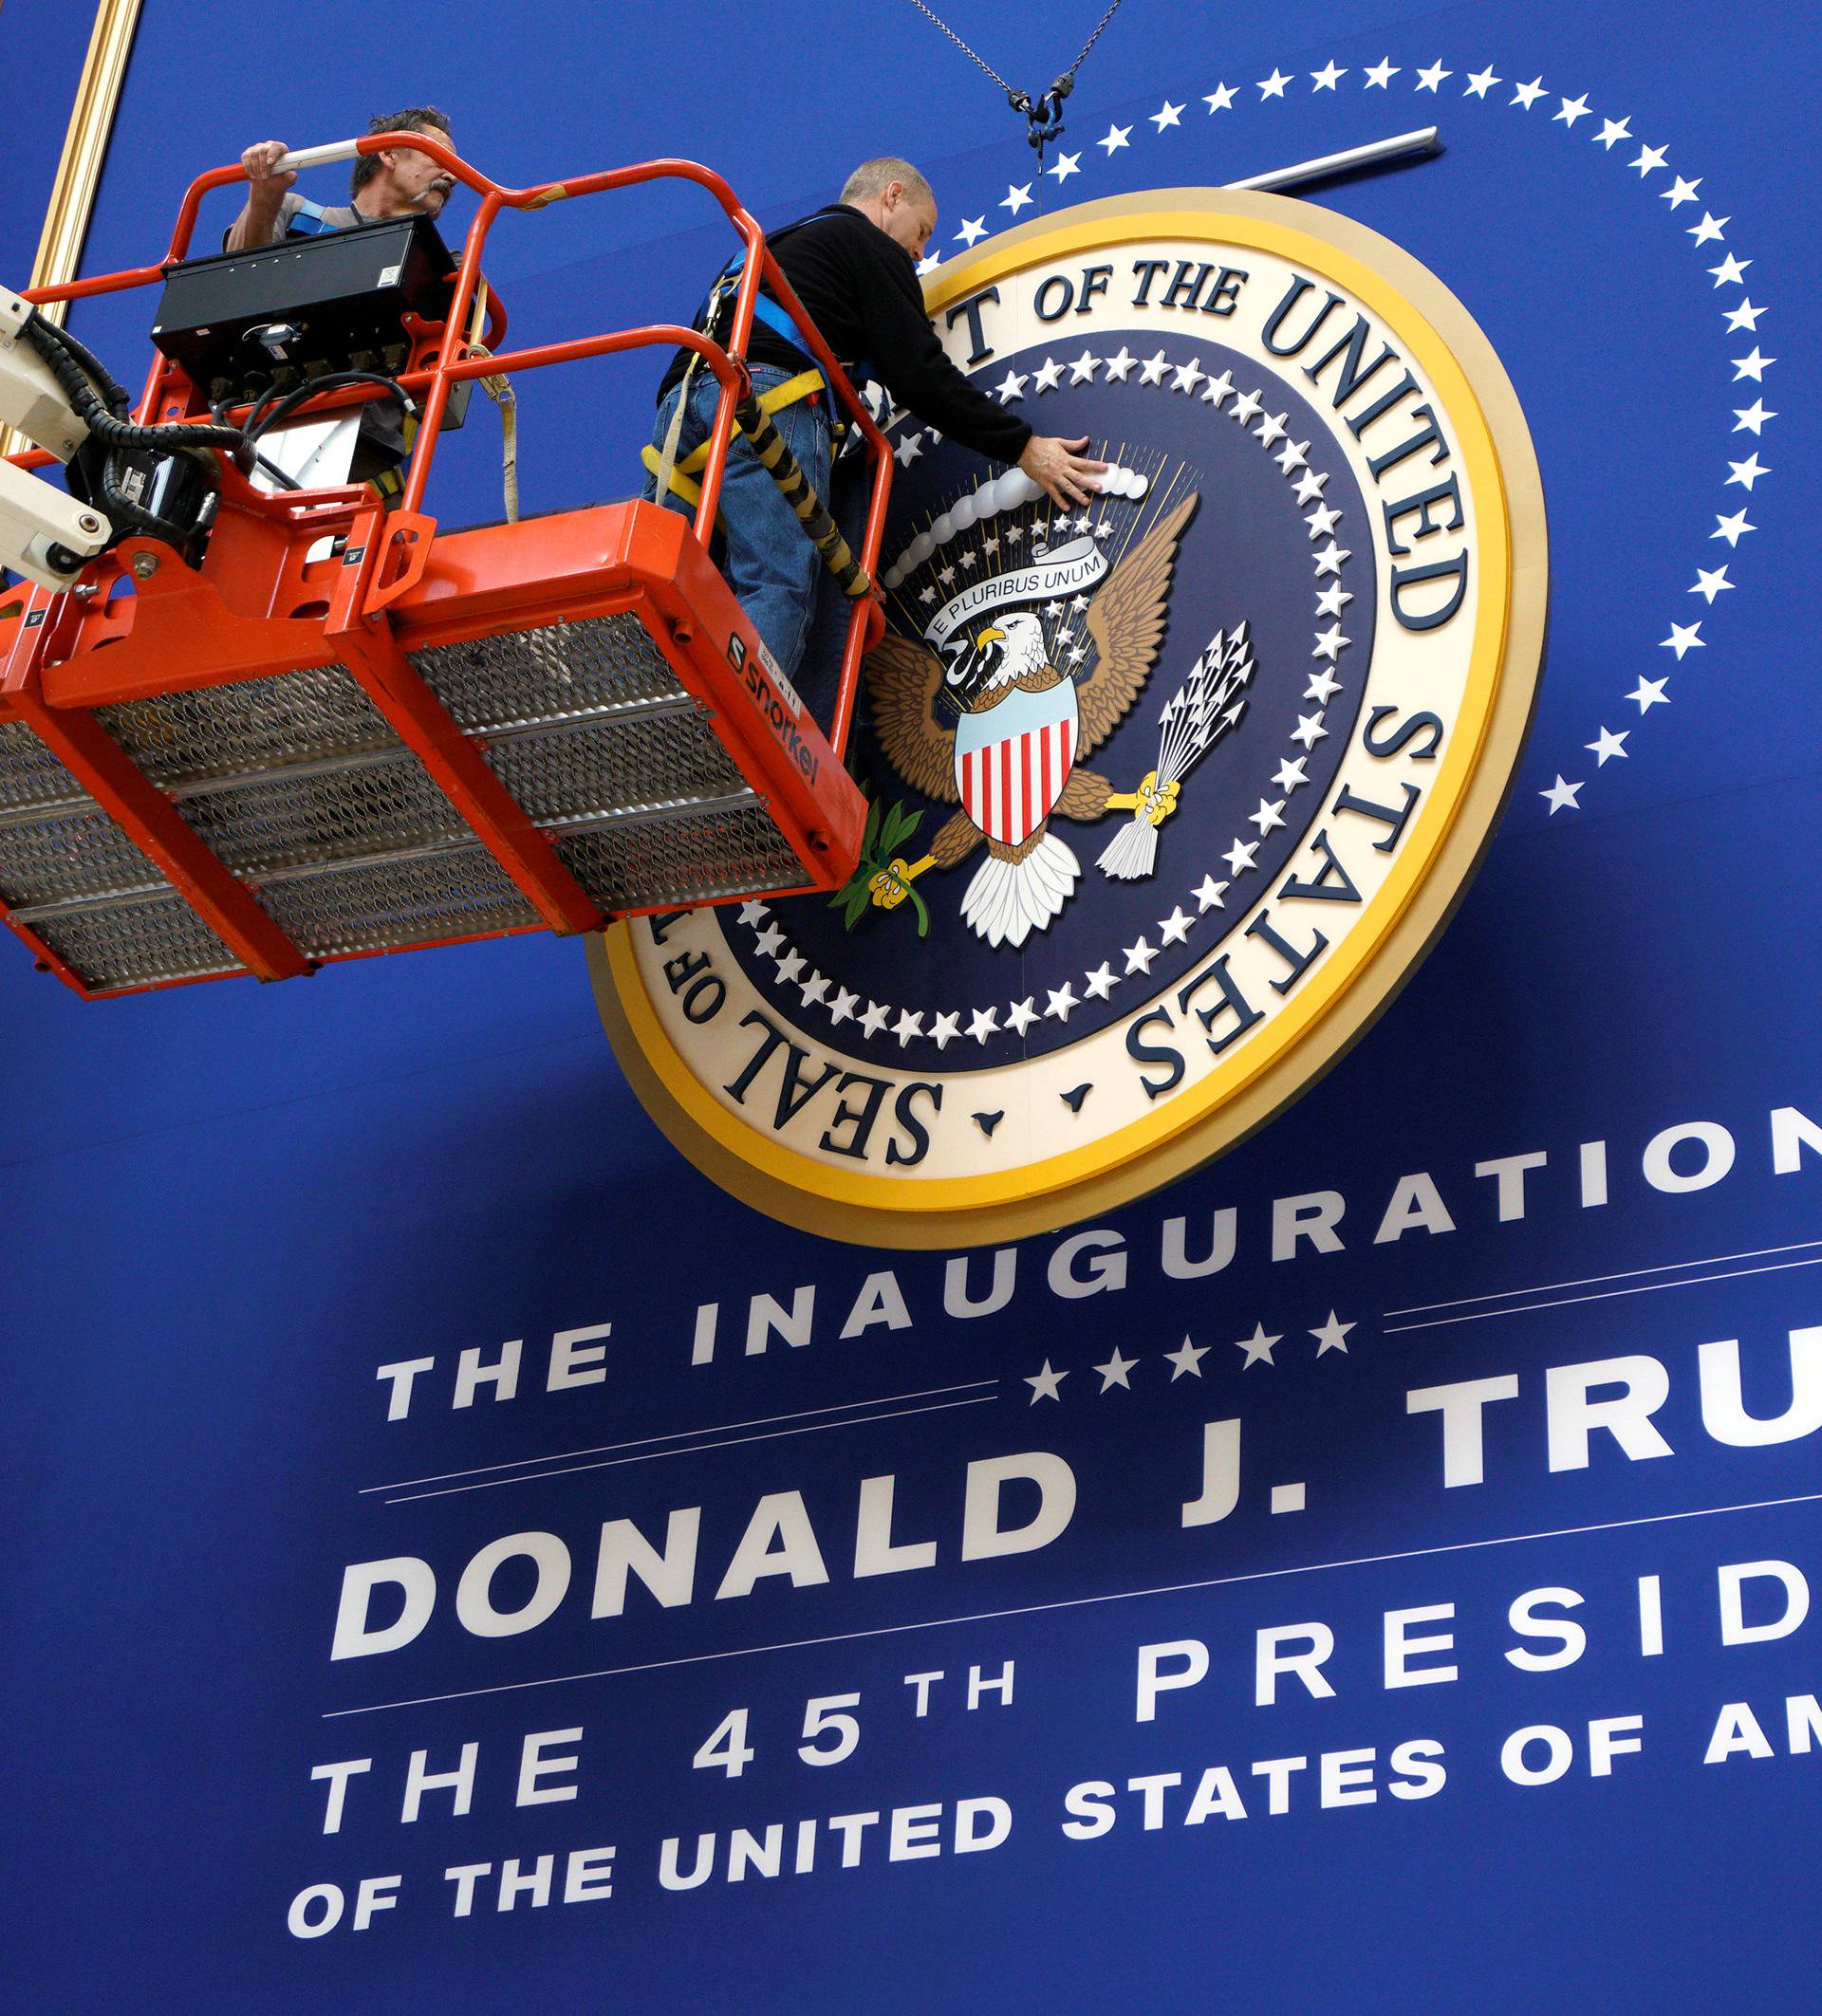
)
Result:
{"points": [[861, 289]]}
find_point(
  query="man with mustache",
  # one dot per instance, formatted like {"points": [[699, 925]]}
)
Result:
{"points": [[396, 182]]}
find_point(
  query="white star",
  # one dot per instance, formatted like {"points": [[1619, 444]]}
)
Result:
{"points": [[1257, 1348], [1329, 560], [1167, 116], [1573, 108], [1612, 130], [1103, 530], [943, 1028], [1273, 86], [1609, 745], [909, 450], [1680, 193], [1528, 94], [1079, 602], [984, 1023], [1114, 1372], [1208, 892], [926, 595], [929, 263], [1309, 730], [1221, 98], [1747, 472], [1054, 610], [1730, 272], [1139, 957], [751, 912], [1323, 686], [1020, 1016], [1480, 82], [1331, 643], [1291, 774], [1246, 406], [768, 942], [1431, 79], [1117, 137], [1329, 602], [1269, 814], [1174, 929], [1711, 581], [1271, 429], [1187, 1358], [1710, 227], [947, 577], [1753, 366], [1321, 521], [1044, 1384], [1218, 389], [847, 1001], [1016, 199], [1100, 984], [1082, 369], [1381, 74], [1730, 528], [1330, 1337], [1152, 371], [815, 987], [1062, 999], [1010, 388], [874, 1019], [1118, 364], [1310, 485], [970, 562], [1683, 638], [1293, 456], [1185, 378], [1065, 166], [908, 1025], [1327, 76], [1048, 376], [1744, 317], [1561, 794], [791, 965], [1650, 159], [1014, 533], [1650, 694], [972, 228], [1239, 856]]}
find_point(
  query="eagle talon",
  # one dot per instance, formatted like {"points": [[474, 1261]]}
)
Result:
{"points": [[890, 885], [1151, 802]]}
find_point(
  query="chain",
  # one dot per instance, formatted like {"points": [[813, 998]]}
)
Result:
{"points": [[1044, 115]]}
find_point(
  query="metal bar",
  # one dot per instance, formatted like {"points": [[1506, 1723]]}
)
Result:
{"points": [[1423, 140]]}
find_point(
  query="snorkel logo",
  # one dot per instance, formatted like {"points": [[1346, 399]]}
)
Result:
{"points": [[1283, 661]]}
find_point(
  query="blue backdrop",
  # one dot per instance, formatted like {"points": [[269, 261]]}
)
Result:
{"points": [[231, 1207]]}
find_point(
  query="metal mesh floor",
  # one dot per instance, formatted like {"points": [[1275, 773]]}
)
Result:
{"points": [[299, 785]]}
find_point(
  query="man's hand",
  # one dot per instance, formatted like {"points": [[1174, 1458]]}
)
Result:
{"points": [[258, 221], [1060, 468]]}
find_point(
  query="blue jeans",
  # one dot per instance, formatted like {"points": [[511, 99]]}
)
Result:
{"points": [[765, 554]]}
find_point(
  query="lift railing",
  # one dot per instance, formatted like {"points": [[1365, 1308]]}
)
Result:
{"points": [[455, 362]]}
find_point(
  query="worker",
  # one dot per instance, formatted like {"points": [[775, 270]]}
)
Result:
{"points": [[853, 266], [395, 182]]}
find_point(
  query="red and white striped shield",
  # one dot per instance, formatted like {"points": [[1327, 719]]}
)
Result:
{"points": [[1012, 761]]}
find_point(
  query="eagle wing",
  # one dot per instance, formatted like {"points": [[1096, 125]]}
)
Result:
{"points": [[903, 677], [1126, 622]]}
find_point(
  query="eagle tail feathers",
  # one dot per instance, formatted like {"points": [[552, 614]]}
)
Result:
{"points": [[1007, 900]]}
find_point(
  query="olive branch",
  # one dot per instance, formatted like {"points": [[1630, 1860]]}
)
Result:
{"points": [[883, 838]]}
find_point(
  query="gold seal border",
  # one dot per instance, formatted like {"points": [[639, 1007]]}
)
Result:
{"points": [[1434, 868]]}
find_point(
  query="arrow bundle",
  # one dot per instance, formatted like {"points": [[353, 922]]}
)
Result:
{"points": [[1196, 717]]}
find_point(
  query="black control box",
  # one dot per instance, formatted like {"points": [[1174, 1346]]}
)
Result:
{"points": [[242, 323]]}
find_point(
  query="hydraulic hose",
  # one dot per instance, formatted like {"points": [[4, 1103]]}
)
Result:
{"points": [[72, 366]]}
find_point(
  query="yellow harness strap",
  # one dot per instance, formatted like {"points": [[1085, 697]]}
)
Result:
{"points": [[775, 400]]}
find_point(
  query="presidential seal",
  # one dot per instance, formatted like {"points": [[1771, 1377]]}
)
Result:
{"points": [[1169, 792]]}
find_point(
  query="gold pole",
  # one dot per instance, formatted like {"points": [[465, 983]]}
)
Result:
{"points": [[79, 170]]}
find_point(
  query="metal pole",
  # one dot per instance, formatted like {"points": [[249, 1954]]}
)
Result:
{"points": [[1425, 140]]}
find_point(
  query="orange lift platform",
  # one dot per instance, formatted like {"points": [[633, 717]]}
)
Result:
{"points": [[346, 732]]}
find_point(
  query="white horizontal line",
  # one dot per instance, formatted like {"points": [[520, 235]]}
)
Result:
{"points": [[1590, 1281], [692, 1449], [1079, 1603], [601, 1449], [1643, 1288]]}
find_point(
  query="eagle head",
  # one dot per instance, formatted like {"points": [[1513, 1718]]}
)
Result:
{"points": [[983, 666]]}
